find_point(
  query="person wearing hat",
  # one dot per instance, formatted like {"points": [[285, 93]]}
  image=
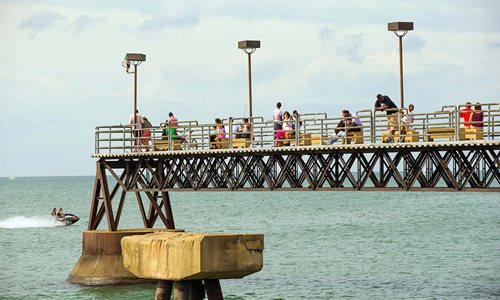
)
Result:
{"points": [[384, 103]]}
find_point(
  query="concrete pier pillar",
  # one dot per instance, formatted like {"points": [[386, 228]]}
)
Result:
{"points": [[101, 262], [164, 290], [181, 290]]}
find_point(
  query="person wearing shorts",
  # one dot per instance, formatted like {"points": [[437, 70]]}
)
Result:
{"points": [[384, 103]]}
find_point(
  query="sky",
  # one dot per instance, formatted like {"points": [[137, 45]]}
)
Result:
{"points": [[61, 72]]}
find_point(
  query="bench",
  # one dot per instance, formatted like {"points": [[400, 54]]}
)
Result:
{"points": [[439, 133], [163, 145], [355, 137], [304, 140], [241, 142], [316, 140], [223, 144], [409, 137], [472, 133]]}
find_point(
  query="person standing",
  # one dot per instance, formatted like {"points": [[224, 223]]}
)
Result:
{"points": [[137, 125], [477, 116], [466, 114], [172, 126], [278, 117], [407, 119], [146, 132], [384, 103]]}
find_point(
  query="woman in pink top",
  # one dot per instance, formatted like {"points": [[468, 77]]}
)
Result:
{"points": [[220, 133]]}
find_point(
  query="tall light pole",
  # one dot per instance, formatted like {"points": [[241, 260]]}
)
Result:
{"points": [[249, 47], [400, 29], [134, 59]]}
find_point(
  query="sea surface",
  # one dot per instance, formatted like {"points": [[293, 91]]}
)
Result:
{"points": [[318, 245]]}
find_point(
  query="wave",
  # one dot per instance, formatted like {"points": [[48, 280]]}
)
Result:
{"points": [[29, 222]]}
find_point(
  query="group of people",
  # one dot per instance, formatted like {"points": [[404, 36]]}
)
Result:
{"points": [[472, 117], [57, 213], [142, 130], [384, 103], [347, 124], [284, 123], [219, 133]]}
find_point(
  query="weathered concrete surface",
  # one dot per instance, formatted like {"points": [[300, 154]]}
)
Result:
{"points": [[101, 262], [193, 256]]}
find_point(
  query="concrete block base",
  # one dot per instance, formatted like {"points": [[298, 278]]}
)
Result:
{"points": [[193, 256]]}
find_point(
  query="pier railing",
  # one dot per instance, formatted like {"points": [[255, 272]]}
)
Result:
{"points": [[310, 129]]}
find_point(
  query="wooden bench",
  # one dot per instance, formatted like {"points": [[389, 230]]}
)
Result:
{"points": [[316, 140], [223, 144], [472, 133], [355, 137], [439, 133], [304, 140], [409, 137], [241, 142], [163, 145]]}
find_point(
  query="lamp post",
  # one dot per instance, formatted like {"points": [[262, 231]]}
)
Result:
{"points": [[400, 29], [249, 47], [134, 59]]}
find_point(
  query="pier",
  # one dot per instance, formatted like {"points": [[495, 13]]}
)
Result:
{"points": [[438, 152]]}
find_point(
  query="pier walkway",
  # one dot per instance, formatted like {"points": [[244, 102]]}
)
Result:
{"points": [[310, 131], [437, 152]]}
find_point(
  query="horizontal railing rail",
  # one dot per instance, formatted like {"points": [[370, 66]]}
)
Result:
{"points": [[367, 127]]}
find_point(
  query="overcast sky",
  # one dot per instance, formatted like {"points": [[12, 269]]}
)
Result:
{"points": [[61, 72]]}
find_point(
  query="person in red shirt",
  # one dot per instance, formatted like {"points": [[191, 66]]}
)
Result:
{"points": [[466, 114]]}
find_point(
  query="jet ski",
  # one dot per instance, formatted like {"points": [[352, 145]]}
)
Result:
{"points": [[67, 219]]}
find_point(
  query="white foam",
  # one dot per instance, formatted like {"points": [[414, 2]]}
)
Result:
{"points": [[29, 222]]}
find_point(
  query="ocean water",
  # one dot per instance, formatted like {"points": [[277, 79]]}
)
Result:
{"points": [[318, 245]]}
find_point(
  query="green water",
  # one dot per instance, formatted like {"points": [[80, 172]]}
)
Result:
{"points": [[318, 245]]}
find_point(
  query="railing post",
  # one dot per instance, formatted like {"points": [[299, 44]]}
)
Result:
{"points": [[297, 133]]}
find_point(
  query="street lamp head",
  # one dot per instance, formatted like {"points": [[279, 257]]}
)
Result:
{"points": [[249, 46], [400, 28], [133, 58]]}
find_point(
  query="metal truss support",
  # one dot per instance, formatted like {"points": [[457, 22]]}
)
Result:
{"points": [[150, 178], [133, 178]]}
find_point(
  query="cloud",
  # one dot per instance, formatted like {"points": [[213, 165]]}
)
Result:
{"points": [[85, 22], [327, 34], [495, 45], [350, 47], [40, 21], [413, 43], [172, 15]]}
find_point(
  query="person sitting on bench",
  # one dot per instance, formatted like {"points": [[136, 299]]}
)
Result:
{"points": [[345, 125], [244, 130]]}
